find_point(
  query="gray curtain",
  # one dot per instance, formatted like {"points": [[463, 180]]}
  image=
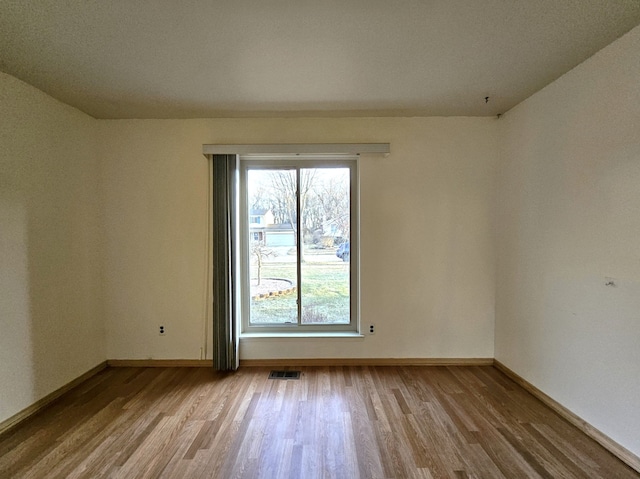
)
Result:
{"points": [[225, 256]]}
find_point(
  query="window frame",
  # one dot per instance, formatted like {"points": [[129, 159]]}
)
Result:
{"points": [[247, 162]]}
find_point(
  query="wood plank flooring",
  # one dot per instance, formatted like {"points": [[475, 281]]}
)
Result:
{"points": [[335, 422]]}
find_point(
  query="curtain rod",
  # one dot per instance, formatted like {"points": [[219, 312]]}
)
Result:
{"points": [[298, 148]]}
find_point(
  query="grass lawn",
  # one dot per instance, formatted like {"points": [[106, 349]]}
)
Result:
{"points": [[325, 293]]}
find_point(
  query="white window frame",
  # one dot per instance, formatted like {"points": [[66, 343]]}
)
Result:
{"points": [[256, 161]]}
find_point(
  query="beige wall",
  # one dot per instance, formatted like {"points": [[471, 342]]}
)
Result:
{"points": [[569, 218], [51, 322], [426, 235], [155, 190]]}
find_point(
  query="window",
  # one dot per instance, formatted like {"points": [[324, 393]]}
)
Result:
{"points": [[300, 272]]}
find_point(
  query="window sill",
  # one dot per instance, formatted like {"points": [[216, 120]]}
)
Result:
{"points": [[307, 335]]}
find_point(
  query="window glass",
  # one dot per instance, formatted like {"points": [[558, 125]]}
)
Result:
{"points": [[299, 268]]}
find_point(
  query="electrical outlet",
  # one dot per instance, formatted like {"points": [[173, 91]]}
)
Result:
{"points": [[372, 329], [162, 330]]}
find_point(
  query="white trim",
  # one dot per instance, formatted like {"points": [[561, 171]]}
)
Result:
{"points": [[304, 330], [309, 335], [207, 343], [269, 150]]}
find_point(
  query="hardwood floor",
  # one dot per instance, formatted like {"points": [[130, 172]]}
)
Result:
{"points": [[343, 422]]}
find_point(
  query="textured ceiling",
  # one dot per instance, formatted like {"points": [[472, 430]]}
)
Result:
{"points": [[213, 58]]}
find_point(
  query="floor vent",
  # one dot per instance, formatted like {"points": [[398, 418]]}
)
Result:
{"points": [[284, 375]]}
